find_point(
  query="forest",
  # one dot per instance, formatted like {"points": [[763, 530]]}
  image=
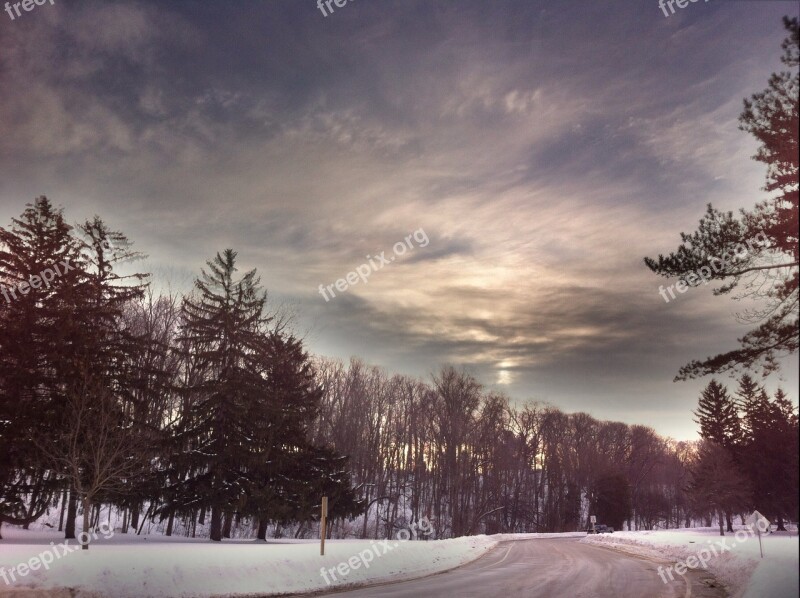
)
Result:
{"points": [[204, 415]]}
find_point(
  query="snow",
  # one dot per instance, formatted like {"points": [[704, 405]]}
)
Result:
{"points": [[127, 565], [507, 537], [137, 566], [740, 569]]}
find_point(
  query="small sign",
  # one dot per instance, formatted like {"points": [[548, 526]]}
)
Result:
{"points": [[593, 519], [761, 525], [759, 521]]}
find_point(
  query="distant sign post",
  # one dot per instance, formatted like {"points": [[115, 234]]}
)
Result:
{"points": [[323, 525], [761, 523], [593, 520]]}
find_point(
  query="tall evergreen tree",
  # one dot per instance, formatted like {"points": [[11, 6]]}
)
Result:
{"points": [[760, 247], [102, 450], [747, 392], [717, 415], [250, 395], [715, 484], [719, 423], [224, 327], [293, 473], [770, 455], [40, 266]]}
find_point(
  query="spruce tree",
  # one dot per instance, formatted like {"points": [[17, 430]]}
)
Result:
{"points": [[746, 394], [223, 329], [294, 473], [771, 455], [717, 415], [715, 484], [40, 266], [250, 394], [104, 451]]}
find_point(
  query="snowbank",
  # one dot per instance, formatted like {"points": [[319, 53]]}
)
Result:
{"points": [[506, 537], [741, 569], [138, 566]]}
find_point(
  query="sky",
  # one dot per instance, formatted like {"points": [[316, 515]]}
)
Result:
{"points": [[538, 150]]}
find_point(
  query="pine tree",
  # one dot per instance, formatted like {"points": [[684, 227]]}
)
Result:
{"points": [[294, 473], [759, 249], [746, 395], [771, 455], [40, 266], [102, 450], [242, 442], [715, 485], [719, 423], [223, 328], [787, 436], [717, 415]]}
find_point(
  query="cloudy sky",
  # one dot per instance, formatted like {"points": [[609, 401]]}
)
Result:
{"points": [[543, 147]]}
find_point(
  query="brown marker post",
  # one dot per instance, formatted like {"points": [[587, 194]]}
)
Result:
{"points": [[323, 526]]}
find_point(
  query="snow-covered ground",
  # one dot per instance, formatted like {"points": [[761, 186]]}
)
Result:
{"points": [[139, 566], [741, 569]]}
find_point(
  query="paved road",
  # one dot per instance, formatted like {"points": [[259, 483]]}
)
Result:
{"points": [[548, 568]]}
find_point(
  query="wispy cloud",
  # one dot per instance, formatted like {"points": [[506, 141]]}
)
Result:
{"points": [[544, 148]]}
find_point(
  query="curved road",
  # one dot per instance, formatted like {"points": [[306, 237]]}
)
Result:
{"points": [[549, 568]]}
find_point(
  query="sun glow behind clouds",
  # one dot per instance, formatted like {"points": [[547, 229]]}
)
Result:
{"points": [[505, 375]]}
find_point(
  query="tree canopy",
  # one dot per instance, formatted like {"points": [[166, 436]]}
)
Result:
{"points": [[755, 251]]}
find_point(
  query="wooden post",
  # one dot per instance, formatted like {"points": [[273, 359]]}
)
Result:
{"points": [[760, 547], [323, 528]]}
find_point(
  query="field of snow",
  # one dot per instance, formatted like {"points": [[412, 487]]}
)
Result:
{"points": [[742, 570], [125, 566]]}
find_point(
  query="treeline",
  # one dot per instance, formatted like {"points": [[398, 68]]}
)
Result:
{"points": [[473, 463], [749, 457], [193, 408], [203, 415]]}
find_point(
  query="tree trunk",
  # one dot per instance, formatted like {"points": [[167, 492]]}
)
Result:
{"points": [[226, 530], [135, 517], [216, 524], [170, 523], [729, 521], [144, 520], [32, 504], [72, 514], [262, 529], [86, 508], [720, 516], [63, 509], [95, 517]]}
